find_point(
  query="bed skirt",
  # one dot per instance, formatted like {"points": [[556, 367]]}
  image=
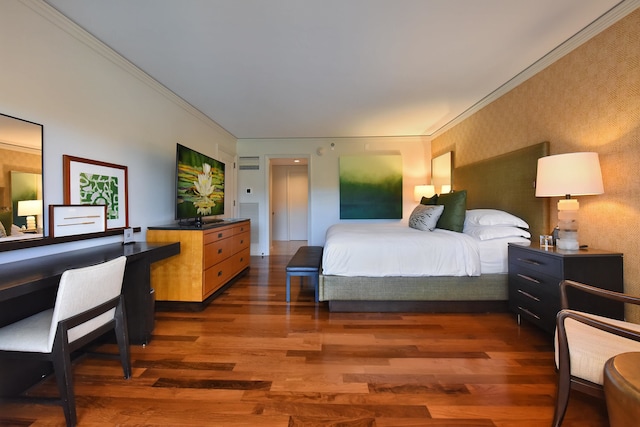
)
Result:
{"points": [[486, 293]]}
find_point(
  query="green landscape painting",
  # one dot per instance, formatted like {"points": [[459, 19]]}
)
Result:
{"points": [[371, 187]]}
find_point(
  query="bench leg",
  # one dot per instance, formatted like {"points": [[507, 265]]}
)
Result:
{"points": [[288, 287], [316, 284]]}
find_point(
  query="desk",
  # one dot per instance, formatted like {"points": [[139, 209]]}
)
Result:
{"points": [[30, 286]]}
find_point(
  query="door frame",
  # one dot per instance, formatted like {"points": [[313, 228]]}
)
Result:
{"points": [[268, 217]]}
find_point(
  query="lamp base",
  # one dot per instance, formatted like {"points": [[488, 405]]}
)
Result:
{"points": [[567, 244], [568, 224], [31, 222]]}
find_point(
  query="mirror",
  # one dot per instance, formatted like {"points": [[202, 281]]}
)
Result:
{"points": [[21, 189], [442, 172]]}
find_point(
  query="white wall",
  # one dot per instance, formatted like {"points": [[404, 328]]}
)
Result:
{"points": [[95, 105], [324, 195]]}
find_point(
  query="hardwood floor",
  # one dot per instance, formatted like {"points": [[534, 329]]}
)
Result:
{"points": [[250, 359]]}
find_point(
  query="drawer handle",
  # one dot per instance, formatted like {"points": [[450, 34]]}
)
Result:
{"points": [[219, 235], [241, 242], [528, 312], [241, 259], [529, 278], [528, 295], [529, 261], [219, 273], [219, 250]]}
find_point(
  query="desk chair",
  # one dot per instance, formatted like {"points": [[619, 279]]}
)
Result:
{"points": [[584, 343], [88, 304]]}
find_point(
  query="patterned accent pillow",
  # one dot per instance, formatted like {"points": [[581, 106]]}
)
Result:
{"points": [[425, 217]]}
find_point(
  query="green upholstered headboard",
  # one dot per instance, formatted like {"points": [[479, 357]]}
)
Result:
{"points": [[507, 182]]}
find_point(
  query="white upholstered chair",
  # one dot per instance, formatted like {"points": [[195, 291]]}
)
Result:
{"points": [[584, 343], [88, 304]]}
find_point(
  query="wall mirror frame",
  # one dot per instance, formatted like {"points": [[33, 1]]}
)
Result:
{"points": [[22, 212], [442, 172]]}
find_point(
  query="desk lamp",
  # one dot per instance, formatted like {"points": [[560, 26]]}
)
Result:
{"points": [[565, 175]]}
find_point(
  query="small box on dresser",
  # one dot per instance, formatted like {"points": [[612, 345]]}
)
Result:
{"points": [[535, 274]]}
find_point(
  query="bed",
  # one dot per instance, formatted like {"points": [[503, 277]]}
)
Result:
{"points": [[366, 280]]}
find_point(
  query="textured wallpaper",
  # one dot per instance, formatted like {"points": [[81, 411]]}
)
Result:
{"points": [[589, 100], [11, 160]]}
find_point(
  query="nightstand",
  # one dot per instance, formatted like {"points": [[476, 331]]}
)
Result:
{"points": [[535, 274]]}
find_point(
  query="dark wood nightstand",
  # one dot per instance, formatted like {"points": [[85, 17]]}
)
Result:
{"points": [[535, 274]]}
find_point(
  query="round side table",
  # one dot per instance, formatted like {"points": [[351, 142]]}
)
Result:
{"points": [[622, 389]]}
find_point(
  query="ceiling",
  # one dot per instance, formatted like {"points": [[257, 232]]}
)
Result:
{"points": [[333, 68]]}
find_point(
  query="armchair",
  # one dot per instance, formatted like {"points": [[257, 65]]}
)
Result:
{"points": [[584, 342]]}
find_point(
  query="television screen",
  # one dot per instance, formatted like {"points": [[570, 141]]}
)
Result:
{"points": [[199, 185]]}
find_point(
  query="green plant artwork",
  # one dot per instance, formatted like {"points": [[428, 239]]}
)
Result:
{"points": [[371, 187], [100, 190]]}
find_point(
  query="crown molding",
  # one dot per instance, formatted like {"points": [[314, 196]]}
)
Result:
{"points": [[54, 16], [615, 14]]}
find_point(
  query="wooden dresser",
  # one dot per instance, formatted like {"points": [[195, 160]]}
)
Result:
{"points": [[210, 257]]}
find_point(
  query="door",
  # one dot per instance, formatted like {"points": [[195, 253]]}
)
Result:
{"points": [[290, 188]]}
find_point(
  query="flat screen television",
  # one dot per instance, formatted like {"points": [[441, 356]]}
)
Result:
{"points": [[199, 187]]}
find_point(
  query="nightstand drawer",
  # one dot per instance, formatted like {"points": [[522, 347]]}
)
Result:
{"points": [[535, 261], [540, 311], [534, 279]]}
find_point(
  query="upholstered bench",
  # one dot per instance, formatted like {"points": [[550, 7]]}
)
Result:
{"points": [[306, 262]]}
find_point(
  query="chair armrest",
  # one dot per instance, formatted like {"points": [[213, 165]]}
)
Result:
{"points": [[594, 323], [612, 295]]}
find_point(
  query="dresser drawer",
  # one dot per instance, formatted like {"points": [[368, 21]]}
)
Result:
{"points": [[241, 228], [217, 251], [211, 236], [534, 261]]}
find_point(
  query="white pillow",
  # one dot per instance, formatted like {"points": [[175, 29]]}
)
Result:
{"points": [[488, 232], [3, 232], [15, 230], [493, 217], [425, 217]]}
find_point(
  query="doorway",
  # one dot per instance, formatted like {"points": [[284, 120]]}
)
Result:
{"points": [[289, 204]]}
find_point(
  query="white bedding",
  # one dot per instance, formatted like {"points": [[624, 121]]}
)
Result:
{"points": [[381, 250], [21, 236]]}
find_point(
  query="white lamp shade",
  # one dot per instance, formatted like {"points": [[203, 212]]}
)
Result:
{"points": [[421, 191], [569, 174], [29, 207]]}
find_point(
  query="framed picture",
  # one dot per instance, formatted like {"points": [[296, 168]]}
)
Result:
{"points": [[371, 187], [70, 220], [90, 182]]}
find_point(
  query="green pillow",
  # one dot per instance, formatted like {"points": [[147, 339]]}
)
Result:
{"points": [[455, 209], [429, 201], [6, 218]]}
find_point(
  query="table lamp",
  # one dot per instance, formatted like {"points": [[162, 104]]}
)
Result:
{"points": [[420, 191], [30, 208], [576, 174]]}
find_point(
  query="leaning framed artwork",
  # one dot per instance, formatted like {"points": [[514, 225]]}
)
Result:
{"points": [[91, 182], [69, 220]]}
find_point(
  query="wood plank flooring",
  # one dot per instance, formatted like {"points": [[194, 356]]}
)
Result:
{"points": [[250, 359]]}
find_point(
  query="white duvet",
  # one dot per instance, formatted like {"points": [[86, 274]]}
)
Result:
{"points": [[381, 250]]}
